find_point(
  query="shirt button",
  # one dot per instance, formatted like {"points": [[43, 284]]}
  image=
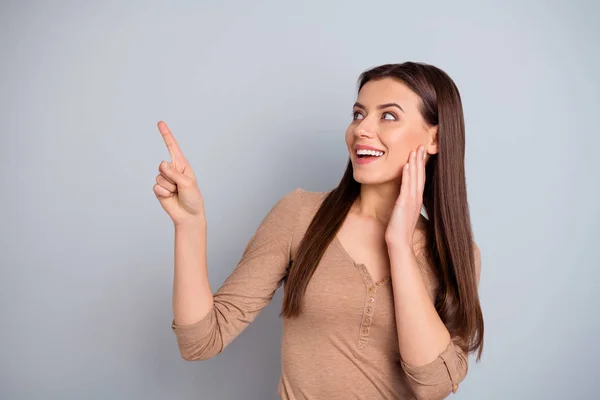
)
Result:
{"points": [[365, 330], [454, 388], [369, 310], [371, 299], [372, 289], [367, 320]]}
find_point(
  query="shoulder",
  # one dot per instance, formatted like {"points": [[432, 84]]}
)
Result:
{"points": [[303, 199], [311, 197], [298, 202]]}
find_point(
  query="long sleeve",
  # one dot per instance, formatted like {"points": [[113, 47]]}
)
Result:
{"points": [[441, 377], [249, 288]]}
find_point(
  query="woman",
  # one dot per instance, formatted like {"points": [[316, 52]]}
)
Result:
{"points": [[379, 301]]}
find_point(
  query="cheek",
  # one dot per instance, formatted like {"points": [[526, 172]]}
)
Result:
{"points": [[400, 144], [349, 136], [397, 148]]}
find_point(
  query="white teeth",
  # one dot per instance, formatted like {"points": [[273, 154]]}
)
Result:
{"points": [[369, 153]]}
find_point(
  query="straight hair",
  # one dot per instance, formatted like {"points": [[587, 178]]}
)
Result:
{"points": [[449, 246]]}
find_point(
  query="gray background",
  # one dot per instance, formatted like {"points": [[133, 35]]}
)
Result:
{"points": [[259, 95]]}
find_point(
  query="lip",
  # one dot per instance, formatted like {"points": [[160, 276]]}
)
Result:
{"points": [[365, 147], [363, 161]]}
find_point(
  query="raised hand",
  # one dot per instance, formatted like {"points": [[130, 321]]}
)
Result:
{"points": [[176, 186], [407, 208]]}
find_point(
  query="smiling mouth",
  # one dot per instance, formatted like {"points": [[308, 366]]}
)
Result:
{"points": [[363, 154]]}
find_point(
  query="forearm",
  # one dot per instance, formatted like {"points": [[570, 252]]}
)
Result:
{"points": [[192, 295], [422, 335]]}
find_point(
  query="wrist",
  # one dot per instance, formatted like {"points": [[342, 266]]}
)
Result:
{"points": [[198, 223], [401, 246]]}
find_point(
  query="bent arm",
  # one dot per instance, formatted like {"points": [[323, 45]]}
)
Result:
{"points": [[440, 377], [245, 292], [433, 362]]}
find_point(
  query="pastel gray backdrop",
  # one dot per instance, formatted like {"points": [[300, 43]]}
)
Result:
{"points": [[259, 95]]}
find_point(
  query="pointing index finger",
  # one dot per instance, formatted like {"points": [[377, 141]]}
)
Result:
{"points": [[172, 146]]}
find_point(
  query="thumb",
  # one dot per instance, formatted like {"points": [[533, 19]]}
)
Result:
{"points": [[168, 170]]}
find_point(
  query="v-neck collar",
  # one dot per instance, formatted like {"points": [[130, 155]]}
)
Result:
{"points": [[338, 244]]}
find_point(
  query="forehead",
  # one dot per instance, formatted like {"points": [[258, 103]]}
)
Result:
{"points": [[387, 90]]}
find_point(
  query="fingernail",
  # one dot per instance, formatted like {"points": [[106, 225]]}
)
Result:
{"points": [[424, 153], [166, 164]]}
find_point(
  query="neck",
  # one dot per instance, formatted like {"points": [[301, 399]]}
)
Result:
{"points": [[377, 201]]}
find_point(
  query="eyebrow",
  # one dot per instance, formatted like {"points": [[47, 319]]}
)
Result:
{"points": [[379, 107]]}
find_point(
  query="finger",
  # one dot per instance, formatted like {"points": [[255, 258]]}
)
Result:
{"points": [[161, 192], [421, 172], [163, 169], [165, 183], [169, 171], [405, 185], [172, 145], [413, 173]]}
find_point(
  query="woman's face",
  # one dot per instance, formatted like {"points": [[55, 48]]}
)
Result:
{"points": [[386, 118]]}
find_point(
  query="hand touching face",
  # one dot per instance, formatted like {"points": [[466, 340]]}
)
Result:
{"points": [[386, 126]]}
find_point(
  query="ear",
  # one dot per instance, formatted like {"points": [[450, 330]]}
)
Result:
{"points": [[432, 146]]}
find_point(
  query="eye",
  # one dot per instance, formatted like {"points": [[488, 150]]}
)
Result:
{"points": [[393, 117], [356, 115]]}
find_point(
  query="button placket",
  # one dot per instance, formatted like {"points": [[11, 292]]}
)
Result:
{"points": [[367, 317], [371, 289]]}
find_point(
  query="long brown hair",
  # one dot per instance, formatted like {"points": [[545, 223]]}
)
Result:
{"points": [[449, 239]]}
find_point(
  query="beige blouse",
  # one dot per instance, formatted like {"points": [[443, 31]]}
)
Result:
{"points": [[344, 345]]}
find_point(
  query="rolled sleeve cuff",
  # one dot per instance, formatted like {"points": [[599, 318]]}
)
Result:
{"points": [[200, 339], [446, 371]]}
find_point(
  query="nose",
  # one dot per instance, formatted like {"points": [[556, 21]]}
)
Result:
{"points": [[363, 130]]}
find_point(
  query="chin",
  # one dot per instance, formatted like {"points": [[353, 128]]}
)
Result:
{"points": [[374, 177], [365, 178]]}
